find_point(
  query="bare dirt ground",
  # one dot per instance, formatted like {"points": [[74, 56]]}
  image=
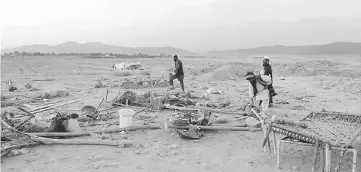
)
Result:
{"points": [[306, 83]]}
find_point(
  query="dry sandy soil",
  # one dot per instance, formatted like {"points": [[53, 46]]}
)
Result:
{"points": [[306, 83]]}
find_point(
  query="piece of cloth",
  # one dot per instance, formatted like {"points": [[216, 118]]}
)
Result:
{"points": [[260, 88], [263, 103], [178, 68], [267, 79], [180, 79], [263, 96]]}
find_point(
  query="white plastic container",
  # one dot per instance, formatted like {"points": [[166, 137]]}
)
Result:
{"points": [[125, 117]]}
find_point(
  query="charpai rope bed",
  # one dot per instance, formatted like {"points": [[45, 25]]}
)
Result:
{"points": [[326, 129], [11, 139], [335, 128]]}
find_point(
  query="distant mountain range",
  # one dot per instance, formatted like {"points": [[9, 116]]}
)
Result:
{"points": [[96, 47], [344, 48], [337, 48]]}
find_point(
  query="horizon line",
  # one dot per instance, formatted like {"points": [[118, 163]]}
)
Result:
{"points": [[184, 48]]}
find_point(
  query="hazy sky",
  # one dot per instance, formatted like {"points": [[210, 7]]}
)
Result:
{"points": [[196, 25]]}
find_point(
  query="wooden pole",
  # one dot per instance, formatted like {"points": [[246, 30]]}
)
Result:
{"points": [[265, 138], [274, 142], [278, 153], [96, 110], [150, 119], [279, 120], [106, 96], [322, 159], [202, 108], [315, 151], [327, 158], [354, 160], [72, 134], [268, 130], [83, 142], [215, 128]]}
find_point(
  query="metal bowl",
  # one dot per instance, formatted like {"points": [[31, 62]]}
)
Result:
{"points": [[87, 110]]}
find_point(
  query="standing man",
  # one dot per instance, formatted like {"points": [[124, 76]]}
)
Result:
{"points": [[177, 73], [268, 71]]}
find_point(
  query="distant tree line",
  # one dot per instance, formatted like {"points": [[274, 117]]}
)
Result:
{"points": [[86, 55]]}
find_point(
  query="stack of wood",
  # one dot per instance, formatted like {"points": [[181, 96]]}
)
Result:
{"points": [[45, 106]]}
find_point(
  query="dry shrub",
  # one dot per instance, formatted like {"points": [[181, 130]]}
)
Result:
{"points": [[122, 73], [54, 94]]}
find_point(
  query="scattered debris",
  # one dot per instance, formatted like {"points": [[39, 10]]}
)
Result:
{"points": [[127, 66], [28, 86], [298, 107], [282, 102], [223, 119], [12, 88], [18, 151], [99, 84], [34, 89], [214, 91]]}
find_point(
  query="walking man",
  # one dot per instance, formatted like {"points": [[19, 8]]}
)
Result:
{"points": [[177, 73]]}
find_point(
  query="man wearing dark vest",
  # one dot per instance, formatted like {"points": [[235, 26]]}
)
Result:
{"points": [[268, 71], [177, 73]]}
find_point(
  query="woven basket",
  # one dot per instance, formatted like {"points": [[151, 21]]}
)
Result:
{"points": [[336, 128]]}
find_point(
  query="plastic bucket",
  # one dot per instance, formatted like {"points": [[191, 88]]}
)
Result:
{"points": [[125, 117]]}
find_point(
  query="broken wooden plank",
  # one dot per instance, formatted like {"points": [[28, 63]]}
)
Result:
{"points": [[55, 106]]}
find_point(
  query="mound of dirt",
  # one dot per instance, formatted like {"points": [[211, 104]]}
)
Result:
{"points": [[317, 67], [230, 71], [345, 84], [136, 84], [195, 71]]}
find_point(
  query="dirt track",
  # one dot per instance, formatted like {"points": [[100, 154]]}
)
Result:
{"points": [[163, 151]]}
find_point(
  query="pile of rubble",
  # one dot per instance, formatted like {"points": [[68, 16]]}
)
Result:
{"points": [[344, 84]]}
